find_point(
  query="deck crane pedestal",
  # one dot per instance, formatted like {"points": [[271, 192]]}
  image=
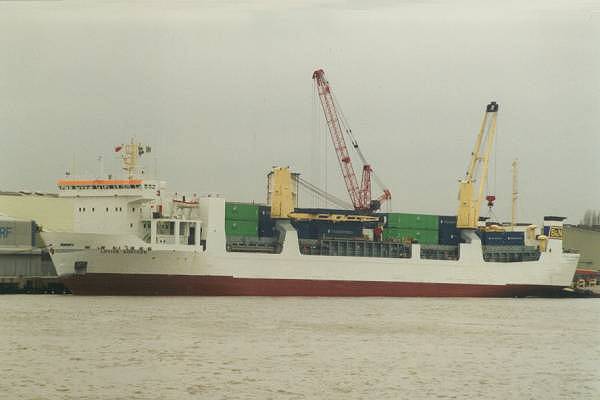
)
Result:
{"points": [[359, 195], [470, 202]]}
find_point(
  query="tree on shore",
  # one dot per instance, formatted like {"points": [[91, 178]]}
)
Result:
{"points": [[591, 218]]}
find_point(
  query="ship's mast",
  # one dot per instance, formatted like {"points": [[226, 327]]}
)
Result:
{"points": [[130, 156], [515, 191]]}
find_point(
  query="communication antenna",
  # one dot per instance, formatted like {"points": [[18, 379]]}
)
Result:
{"points": [[101, 166], [130, 156]]}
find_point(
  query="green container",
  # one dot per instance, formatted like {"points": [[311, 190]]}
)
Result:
{"points": [[241, 228], [422, 236], [413, 221], [241, 212]]}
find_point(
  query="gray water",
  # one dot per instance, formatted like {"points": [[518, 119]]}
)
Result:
{"points": [[68, 347]]}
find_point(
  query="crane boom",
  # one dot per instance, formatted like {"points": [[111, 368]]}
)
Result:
{"points": [[359, 195], [337, 136]]}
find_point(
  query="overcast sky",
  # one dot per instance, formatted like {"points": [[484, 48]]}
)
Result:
{"points": [[223, 92]]}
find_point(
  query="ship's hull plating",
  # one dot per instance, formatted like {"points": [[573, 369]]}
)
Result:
{"points": [[165, 271], [189, 285]]}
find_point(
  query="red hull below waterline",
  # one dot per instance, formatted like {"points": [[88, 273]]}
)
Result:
{"points": [[198, 285]]}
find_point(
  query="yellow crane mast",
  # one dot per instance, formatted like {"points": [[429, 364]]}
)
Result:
{"points": [[282, 204], [470, 205]]}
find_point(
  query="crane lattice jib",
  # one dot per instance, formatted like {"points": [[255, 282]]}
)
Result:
{"points": [[360, 198]]}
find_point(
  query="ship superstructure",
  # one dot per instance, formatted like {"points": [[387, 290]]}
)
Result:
{"points": [[132, 205]]}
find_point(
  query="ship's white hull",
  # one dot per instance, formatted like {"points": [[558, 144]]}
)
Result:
{"points": [[124, 265]]}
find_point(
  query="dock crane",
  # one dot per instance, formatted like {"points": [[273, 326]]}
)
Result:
{"points": [[359, 195], [470, 205]]}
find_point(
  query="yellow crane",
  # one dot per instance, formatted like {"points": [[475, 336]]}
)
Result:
{"points": [[477, 172]]}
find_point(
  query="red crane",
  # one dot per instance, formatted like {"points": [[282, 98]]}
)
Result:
{"points": [[359, 195]]}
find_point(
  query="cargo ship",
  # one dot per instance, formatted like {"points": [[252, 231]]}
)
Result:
{"points": [[132, 237]]}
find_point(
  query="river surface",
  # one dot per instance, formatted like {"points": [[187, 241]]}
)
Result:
{"points": [[69, 347]]}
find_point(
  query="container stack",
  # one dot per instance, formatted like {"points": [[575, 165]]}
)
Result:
{"points": [[421, 228], [449, 234], [241, 219], [325, 229]]}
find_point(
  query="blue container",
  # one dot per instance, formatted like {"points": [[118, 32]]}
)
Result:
{"points": [[264, 212], [305, 230], [502, 238], [327, 211], [446, 220], [516, 238], [449, 237], [370, 225], [449, 234], [266, 225], [266, 230], [318, 229], [344, 229]]}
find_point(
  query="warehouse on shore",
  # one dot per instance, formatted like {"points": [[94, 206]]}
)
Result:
{"points": [[25, 265]]}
